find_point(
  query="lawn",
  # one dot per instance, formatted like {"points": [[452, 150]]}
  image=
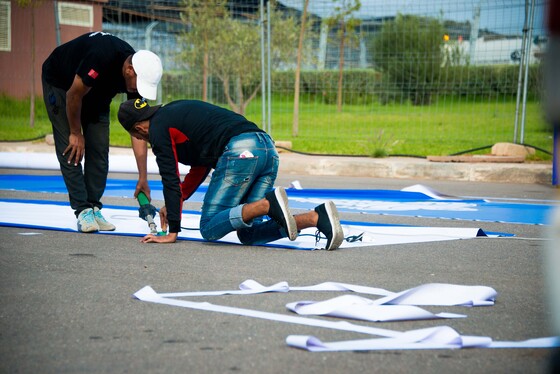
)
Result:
{"points": [[447, 126]]}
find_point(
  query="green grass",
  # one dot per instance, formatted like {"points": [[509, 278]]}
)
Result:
{"points": [[446, 127], [450, 125]]}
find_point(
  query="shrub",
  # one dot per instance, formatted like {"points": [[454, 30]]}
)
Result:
{"points": [[365, 85], [408, 51]]}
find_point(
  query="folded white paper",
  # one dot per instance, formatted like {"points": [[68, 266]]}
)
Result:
{"points": [[443, 294], [361, 308]]}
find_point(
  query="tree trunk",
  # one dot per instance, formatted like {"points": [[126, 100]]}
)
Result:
{"points": [[240, 97], [295, 124], [231, 102], [205, 73], [340, 68], [32, 95]]}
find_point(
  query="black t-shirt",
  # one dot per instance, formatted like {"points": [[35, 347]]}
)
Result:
{"points": [[98, 59]]}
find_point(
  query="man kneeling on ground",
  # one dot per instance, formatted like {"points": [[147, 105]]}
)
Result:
{"points": [[241, 191]]}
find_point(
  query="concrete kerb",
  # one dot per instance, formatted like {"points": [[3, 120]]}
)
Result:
{"points": [[415, 168], [390, 167]]}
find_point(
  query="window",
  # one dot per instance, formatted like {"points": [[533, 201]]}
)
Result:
{"points": [[5, 26], [75, 14]]}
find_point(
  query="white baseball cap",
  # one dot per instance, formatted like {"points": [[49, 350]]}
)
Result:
{"points": [[147, 66]]}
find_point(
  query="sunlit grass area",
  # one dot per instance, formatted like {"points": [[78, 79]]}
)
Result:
{"points": [[447, 126]]}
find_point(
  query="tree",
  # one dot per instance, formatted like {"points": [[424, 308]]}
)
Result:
{"points": [[408, 50], [234, 53], [342, 18], [204, 17], [31, 4]]}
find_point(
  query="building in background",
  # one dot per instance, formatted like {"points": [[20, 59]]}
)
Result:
{"points": [[28, 34]]}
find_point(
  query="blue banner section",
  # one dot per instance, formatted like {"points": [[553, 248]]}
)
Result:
{"points": [[384, 202]]}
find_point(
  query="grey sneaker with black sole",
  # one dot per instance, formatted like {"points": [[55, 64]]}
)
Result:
{"points": [[280, 212], [329, 225]]}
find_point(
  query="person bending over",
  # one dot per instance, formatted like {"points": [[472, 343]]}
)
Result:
{"points": [[241, 190], [80, 78]]}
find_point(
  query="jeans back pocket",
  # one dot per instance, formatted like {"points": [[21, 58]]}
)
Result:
{"points": [[240, 170]]}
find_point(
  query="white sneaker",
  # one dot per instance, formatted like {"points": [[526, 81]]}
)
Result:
{"points": [[86, 221], [103, 224]]}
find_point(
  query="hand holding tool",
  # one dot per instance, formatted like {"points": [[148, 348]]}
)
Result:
{"points": [[147, 212]]}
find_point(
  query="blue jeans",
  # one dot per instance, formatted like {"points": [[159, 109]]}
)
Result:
{"points": [[239, 180]]}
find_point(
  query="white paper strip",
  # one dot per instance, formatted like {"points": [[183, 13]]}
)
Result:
{"points": [[428, 191], [549, 342], [443, 294], [437, 294], [335, 286], [149, 295], [248, 287], [313, 344], [440, 337], [361, 308]]}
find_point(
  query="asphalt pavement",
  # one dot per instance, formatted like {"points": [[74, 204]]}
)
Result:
{"points": [[67, 303]]}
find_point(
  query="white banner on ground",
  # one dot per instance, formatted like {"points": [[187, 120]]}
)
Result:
{"points": [[57, 216]]}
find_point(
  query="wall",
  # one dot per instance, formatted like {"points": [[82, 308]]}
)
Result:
{"points": [[18, 73]]}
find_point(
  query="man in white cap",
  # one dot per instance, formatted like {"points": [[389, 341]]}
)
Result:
{"points": [[80, 78]]}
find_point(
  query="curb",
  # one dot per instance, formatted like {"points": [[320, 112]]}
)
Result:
{"points": [[391, 167], [414, 168]]}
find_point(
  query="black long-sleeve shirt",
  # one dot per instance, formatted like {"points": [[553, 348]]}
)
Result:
{"points": [[193, 133]]}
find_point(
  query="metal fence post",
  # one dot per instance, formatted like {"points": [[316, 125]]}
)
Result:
{"points": [[263, 79], [556, 155], [523, 70], [148, 46], [268, 67], [528, 60]]}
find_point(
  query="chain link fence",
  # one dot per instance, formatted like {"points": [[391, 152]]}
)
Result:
{"points": [[369, 77]]}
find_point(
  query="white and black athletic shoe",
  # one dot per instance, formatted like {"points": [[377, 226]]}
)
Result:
{"points": [[86, 221], [280, 212], [329, 225], [103, 224]]}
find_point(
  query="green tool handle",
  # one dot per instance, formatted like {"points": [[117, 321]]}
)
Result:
{"points": [[142, 199]]}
